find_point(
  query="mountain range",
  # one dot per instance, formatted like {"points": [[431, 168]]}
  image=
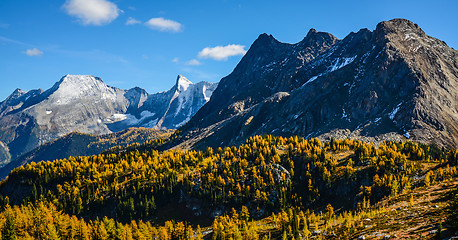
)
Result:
{"points": [[85, 104], [278, 179], [393, 83]]}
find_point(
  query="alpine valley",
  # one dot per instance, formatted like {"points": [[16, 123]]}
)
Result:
{"points": [[327, 138]]}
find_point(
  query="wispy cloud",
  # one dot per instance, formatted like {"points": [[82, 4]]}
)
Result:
{"points": [[193, 62], [176, 60], [201, 75], [222, 52], [9, 40], [164, 25], [132, 21], [33, 52], [92, 12], [4, 25], [93, 55]]}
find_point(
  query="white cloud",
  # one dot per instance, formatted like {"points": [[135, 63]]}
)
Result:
{"points": [[92, 12], [175, 60], [132, 21], [4, 25], [222, 53], [164, 25], [33, 52], [193, 62]]}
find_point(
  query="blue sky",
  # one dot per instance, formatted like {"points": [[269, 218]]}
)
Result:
{"points": [[148, 43]]}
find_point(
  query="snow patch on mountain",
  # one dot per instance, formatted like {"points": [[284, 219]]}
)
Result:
{"points": [[207, 92], [336, 65], [392, 114], [131, 120], [312, 79], [340, 63], [407, 135]]}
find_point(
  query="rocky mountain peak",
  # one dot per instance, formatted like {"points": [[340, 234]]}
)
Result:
{"points": [[84, 103], [264, 42], [314, 35], [182, 83], [138, 90], [264, 37], [398, 24], [312, 31], [316, 38], [390, 84], [17, 94], [81, 86], [398, 29], [136, 96], [79, 79]]}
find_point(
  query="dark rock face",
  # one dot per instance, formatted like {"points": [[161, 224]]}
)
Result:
{"points": [[86, 104], [390, 84], [267, 68]]}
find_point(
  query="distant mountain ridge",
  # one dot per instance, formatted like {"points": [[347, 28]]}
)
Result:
{"points": [[393, 83], [79, 144], [86, 104]]}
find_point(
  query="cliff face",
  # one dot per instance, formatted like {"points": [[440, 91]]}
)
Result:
{"points": [[392, 83], [86, 104]]}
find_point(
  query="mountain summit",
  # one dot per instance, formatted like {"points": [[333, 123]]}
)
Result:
{"points": [[182, 83], [392, 83], [86, 104]]}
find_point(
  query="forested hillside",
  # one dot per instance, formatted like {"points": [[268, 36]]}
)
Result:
{"points": [[81, 144], [304, 182]]}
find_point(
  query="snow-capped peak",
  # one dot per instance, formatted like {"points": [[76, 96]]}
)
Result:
{"points": [[182, 83], [82, 86], [80, 79]]}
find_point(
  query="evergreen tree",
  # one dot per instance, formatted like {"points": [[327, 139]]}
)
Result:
{"points": [[51, 233], [9, 229], [453, 209]]}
